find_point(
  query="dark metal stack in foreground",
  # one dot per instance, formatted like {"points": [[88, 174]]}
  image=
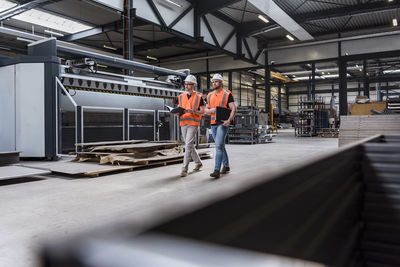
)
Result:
{"points": [[339, 210]]}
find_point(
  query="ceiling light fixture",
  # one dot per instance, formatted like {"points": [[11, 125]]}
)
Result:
{"points": [[394, 21], [172, 2], [102, 66], [289, 37], [25, 40], [5, 48], [152, 58], [54, 33], [110, 47], [263, 18]]}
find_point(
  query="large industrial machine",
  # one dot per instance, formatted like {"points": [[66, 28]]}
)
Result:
{"points": [[47, 104]]}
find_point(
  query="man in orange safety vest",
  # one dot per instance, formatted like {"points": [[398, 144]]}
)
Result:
{"points": [[220, 97], [194, 105]]}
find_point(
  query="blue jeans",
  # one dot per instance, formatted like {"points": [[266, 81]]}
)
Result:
{"points": [[219, 133]]}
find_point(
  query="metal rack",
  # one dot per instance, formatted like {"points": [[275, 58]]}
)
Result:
{"points": [[246, 129], [312, 117]]}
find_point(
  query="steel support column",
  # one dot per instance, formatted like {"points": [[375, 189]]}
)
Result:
{"points": [[128, 32], [267, 84], [313, 80], [342, 87], [279, 100], [366, 82], [240, 88]]}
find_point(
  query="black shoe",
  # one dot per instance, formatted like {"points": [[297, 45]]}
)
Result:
{"points": [[215, 174], [225, 170]]}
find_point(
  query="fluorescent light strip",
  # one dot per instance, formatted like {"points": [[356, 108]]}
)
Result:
{"points": [[263, 18], [25, 40], [172, 2], [5, 48], [289, 37], [152, 58], [110, 47]]}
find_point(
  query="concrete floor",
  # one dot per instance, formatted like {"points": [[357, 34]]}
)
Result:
{"points": [[60, 207]]}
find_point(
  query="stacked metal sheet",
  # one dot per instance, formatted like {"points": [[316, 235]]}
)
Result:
{"points": [[354, 128], [9, 157]]}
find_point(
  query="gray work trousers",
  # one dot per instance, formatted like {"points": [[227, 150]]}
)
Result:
{"points": [[189, 137]]}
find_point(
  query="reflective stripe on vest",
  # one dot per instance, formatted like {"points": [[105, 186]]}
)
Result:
{"points": [[223, 99], [196, 102], [190, 119]]}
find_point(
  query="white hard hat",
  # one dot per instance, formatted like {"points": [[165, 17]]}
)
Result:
{"points": [[190, 78], [217, 76]]}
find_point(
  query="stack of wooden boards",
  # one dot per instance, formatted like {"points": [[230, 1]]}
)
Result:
{"points": [[138, 153], [354, 128]]}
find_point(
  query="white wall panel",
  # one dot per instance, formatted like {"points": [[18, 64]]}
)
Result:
{"points": [[115, 4], [305, 53], [170, 12], [30, 104], [253, 45], [205, 33], [7, 108], [371, 45], [185, 25], [244, 51], [144, 11], [261, 58], [220, 28], [231, 45]]}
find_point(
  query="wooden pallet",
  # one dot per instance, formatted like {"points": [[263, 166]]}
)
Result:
{"points": [[91, 169]]}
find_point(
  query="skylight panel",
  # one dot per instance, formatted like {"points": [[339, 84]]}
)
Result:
{"points": [[46, 19]]}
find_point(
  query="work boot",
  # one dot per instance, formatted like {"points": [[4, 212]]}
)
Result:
{"points": [[215, 174], [225, 170], [197, 167], [184, 173]]}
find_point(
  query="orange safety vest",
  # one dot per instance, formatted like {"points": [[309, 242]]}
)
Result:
{"points": [[192, 103], [220, 100]]}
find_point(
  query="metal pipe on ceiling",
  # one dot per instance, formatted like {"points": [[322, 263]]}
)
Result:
{"points": [[350, 38], [120, 63]]}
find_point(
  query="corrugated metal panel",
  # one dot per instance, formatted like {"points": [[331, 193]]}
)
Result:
{"points": [[235, 12], [302, 6], [354, 23]]}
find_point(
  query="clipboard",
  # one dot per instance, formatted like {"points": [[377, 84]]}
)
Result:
{"points": [[178, 110], [222, 114]]}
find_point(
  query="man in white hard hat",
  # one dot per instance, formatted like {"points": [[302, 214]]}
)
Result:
{"points": [[194, 105], [220, 97]]}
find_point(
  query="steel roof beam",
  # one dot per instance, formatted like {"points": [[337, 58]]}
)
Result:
{"points": [[354, 10], [160, 44], [273, 11], [27, 5]]}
